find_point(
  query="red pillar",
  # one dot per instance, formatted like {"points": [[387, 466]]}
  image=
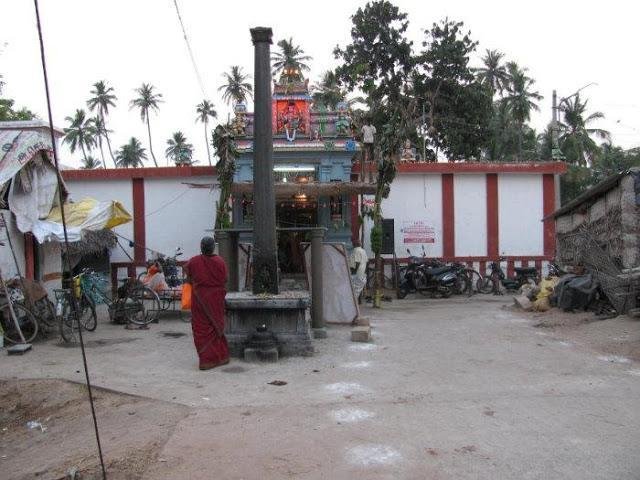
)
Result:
{"points": [[448, 220], [139, 234], [493, 228], [548, 207], [29, 257]]}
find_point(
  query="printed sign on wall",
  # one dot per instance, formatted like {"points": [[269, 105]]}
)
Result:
{"points": [[417, 231]]}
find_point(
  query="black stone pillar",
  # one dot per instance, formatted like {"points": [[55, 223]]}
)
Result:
{"points": [[317, 310], [265, 253], [228, 250]]}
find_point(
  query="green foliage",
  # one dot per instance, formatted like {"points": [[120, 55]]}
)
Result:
{"points": [[102, 99], [90, 163], [327, 92], [146, 101], [80, 133], [179, 150], [458, 106], [237, 89], [131, 154], [290, 61], [224, 146], [376, 239], [9, 114], [205, 111]]}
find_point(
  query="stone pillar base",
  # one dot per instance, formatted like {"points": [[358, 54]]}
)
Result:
{"points": [[319, 332], [255, 355], [285, 315]]}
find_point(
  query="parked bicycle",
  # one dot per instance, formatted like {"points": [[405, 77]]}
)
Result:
{"points": [[27, 322], [496, 278]]}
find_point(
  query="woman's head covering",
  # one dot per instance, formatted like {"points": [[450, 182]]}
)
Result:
{"points": [[207, 245]]}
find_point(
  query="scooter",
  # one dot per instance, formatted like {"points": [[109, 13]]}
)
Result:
{"points": [[496, 277]]}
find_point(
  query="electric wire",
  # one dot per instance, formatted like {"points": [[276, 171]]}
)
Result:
{"points": [[193, 60], [74, 305]]}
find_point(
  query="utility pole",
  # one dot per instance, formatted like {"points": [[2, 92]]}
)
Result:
{"points": [[556, 153]]}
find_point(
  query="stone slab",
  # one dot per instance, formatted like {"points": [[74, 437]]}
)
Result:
{"points": [[255, 355], [361, 334]]}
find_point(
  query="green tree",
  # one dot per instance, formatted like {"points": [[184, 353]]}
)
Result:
{"points": [[290, 61], [179, 150], [237, 89], [576, 140], [520, 100], [80, 133], [146, 101], [206, 111], [493, 74], [327, 92], [225, 149], [101, 132], [131, 154], [9, 114], [102, 98], [458, 106], [377, 62], [90, 163]]}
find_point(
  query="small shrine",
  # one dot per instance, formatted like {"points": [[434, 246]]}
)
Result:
{"points": [[313, 153]]}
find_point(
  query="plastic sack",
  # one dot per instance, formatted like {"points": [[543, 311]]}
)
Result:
{"points": [[187, 290]]}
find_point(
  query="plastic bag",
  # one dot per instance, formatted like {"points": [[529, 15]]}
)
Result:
{"points": [[186, 296]]}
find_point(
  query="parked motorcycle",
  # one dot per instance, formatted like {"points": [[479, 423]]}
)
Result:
{"points": [[496, 277], [426, 277]]}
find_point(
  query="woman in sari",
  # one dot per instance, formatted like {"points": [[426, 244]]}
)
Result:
{"points": [[207, 274]]}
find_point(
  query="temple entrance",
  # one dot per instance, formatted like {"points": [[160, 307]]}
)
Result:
{"points": [[299, 213]]}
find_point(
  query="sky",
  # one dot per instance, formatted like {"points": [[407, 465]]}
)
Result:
{"points": [[564, 44]]}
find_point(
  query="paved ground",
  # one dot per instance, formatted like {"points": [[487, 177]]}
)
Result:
{"points": [[450, 389]]}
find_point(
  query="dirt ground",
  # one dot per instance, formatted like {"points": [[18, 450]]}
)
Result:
{"points": [[617, 337], [462, 388], [133, 430]]}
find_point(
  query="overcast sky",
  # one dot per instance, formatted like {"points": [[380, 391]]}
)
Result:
{"points": [[564, 44]]}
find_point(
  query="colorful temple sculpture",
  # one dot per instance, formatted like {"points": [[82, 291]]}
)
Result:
{"points": [[313, 152]]}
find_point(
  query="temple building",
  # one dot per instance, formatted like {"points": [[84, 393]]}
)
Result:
{"points": [[313, 153]]}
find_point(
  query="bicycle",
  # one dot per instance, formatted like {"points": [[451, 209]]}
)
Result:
{"points": [[70, 321], [27, 323], [135, 302]]}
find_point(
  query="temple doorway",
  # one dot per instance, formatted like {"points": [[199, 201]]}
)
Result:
{"points": [[291, 214]]}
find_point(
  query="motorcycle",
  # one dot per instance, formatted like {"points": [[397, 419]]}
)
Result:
{"points": [[492, 281], [426, 277]]}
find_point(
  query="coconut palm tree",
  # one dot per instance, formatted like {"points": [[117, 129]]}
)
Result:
{"points": [[146, 101], [103, 98], [237, 89], [100, 132], [575, 140], [520, 100], [493, 74], [327, 92], [131, 154], [80, 133], [290, 60], [206, 111], [90, 163], [179, 150]]}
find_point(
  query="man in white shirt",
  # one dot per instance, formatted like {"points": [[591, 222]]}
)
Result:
{"points": [[368, 132], [358, 264]]}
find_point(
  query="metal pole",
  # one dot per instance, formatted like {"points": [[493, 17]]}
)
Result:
{"points": [[265, 258], [317, 307]]}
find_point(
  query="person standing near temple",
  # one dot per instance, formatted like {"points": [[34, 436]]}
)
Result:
{"points": [[207, 274], [368, 132], [358, 264]]}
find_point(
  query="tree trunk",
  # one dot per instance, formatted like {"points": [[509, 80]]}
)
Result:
{"points": [[104, 164], [520, 142], [155, 162], [206, 141], [84, 153]]}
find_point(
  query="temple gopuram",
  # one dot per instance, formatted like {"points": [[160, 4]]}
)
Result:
{"points": [[313, 153]]}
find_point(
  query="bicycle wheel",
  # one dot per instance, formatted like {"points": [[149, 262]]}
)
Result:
{"points": [[88, 317], [485, 285], [68, 324], [26, 321], [141, 305]]}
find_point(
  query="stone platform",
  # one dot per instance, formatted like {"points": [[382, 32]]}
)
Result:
{"points": [[286, 315]]}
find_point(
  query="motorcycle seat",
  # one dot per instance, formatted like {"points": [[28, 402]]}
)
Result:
{"points": [[437, 270], [526, 270]]}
